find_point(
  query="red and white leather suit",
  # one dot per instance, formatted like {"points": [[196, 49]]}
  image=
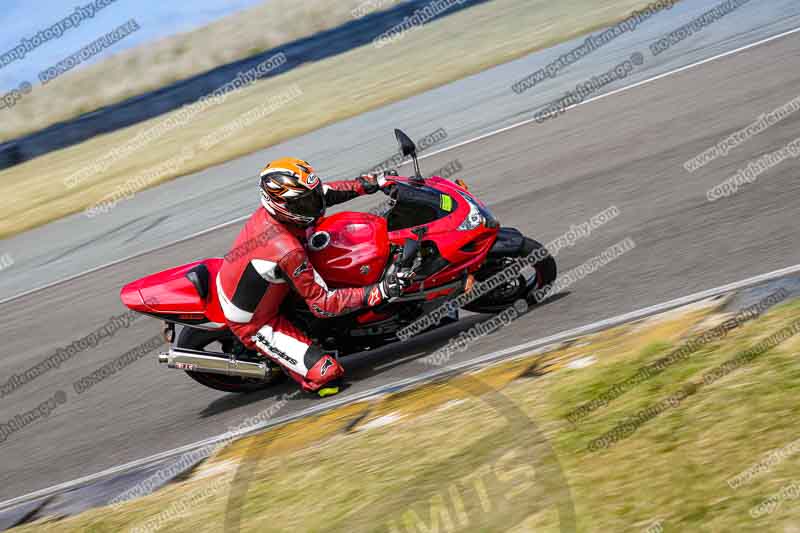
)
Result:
{"points": [[266, 262]]}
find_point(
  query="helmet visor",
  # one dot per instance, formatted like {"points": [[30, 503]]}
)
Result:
{"points": [[310, 205]]}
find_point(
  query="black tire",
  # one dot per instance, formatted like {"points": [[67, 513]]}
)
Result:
{"points": [[199, 339], [502, 297], [546, 274]]}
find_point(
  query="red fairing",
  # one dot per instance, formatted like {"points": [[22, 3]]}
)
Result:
{"points": [[170, 294], [357, 252], [464, 250]]}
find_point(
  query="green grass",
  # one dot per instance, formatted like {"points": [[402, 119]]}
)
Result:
{"points": [[681, 459]]}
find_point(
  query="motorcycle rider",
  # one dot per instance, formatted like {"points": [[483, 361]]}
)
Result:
{"points": [[270, 260]]}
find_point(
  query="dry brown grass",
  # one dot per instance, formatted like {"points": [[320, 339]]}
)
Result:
{"points": [[134, 72]]}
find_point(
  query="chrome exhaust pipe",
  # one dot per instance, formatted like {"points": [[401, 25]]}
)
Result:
{"points": [[199, 361]]}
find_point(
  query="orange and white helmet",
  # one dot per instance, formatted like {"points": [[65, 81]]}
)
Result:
{"points": [[291, 192]]}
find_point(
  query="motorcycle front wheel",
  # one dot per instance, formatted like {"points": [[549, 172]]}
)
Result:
{"points": [[533, 290]]}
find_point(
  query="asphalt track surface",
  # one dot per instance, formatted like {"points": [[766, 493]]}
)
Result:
{"points": [[626, 150]]}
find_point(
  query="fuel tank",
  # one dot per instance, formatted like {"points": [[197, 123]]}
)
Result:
{"points": [[350, 249]]}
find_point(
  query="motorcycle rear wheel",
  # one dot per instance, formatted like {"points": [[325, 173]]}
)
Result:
{"points": [[199, 339]]}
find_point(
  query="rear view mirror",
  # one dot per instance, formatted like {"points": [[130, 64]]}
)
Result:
{"points": [[407, 146]]}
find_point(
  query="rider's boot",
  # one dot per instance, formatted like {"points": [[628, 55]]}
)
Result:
{"points": [[323, 378]]}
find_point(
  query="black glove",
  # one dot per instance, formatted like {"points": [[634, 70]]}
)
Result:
{"points": [[372, 183], [392, 286]]}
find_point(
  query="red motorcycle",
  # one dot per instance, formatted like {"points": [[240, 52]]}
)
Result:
{"points": [[436, 226]]}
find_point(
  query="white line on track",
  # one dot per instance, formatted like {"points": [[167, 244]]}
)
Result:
{"points": [[622, 89], [520, 350], [398, 361], [443, 150]]}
